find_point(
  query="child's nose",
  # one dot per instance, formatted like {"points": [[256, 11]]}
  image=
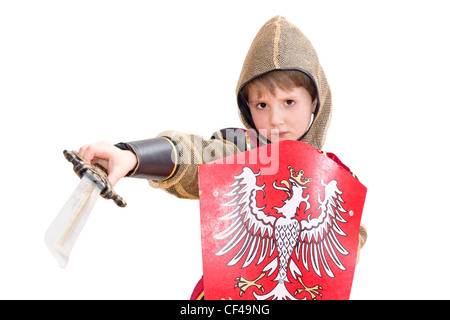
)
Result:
{"points": [[276, 117]]}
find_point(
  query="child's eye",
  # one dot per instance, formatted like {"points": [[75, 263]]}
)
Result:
{"points": [[261, 105], [289, 102]]}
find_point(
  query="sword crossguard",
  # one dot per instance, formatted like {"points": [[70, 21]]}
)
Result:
{"points": [[80, 166]]}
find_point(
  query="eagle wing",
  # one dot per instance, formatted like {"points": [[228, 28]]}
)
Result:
{"points": [[248, 221], [319, 235]]}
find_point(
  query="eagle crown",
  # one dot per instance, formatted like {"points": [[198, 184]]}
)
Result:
{"points": [[299, 176]]}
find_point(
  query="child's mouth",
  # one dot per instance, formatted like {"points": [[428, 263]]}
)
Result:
{"points": [[277, 135]]}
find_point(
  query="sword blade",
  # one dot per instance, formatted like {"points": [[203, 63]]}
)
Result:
{"points": [[65, 229]]}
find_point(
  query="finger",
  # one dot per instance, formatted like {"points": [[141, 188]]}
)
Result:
{"points": [[87, 152], [100, 150], [82, 151], [101, 162]]}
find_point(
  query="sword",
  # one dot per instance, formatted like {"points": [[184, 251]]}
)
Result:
{"points": [[66, 227]]}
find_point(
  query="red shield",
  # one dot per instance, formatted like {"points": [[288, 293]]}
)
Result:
{"points": [[279, 222]]}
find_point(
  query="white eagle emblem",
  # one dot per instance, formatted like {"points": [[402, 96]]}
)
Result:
{"points": [[312, 239]]}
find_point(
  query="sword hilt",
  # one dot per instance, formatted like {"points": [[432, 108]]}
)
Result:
{"points": [[99, 174]]}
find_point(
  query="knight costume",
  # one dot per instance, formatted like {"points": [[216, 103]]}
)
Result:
{"points": [[171, 160]]}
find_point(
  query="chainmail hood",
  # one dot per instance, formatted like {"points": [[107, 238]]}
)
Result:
{"points": [[280, 45]]}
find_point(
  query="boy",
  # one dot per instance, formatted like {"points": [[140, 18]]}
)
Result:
{"points": [[282, 94]]}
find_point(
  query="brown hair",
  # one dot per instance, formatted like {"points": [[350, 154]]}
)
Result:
{"points": [[282, 79]]}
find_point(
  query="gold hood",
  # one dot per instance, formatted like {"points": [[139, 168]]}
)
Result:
{"points": [[280, 45]]}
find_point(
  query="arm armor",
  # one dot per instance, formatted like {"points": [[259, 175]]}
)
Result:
{"points": [[156, 158]]}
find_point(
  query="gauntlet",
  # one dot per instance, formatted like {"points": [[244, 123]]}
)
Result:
{"points": [[156, 158]]}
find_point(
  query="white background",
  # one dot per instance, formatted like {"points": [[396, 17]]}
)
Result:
{"points": [[74, 72]]}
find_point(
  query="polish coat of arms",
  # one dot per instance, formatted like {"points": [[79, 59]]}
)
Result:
{"points": [[286, 236]]}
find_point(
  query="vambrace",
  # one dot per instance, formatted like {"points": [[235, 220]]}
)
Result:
{"points": [[156, 158]]}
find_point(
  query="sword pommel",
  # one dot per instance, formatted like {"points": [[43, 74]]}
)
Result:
{"points": [[98, 173]]}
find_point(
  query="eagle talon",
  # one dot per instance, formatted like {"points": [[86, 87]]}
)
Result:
{"points": [[313, 291], [245, 284]]}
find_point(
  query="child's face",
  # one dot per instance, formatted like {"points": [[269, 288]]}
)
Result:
{"points": [[286, 115]]}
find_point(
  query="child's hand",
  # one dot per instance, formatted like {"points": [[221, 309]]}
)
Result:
{"points": [[116, 161]]}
